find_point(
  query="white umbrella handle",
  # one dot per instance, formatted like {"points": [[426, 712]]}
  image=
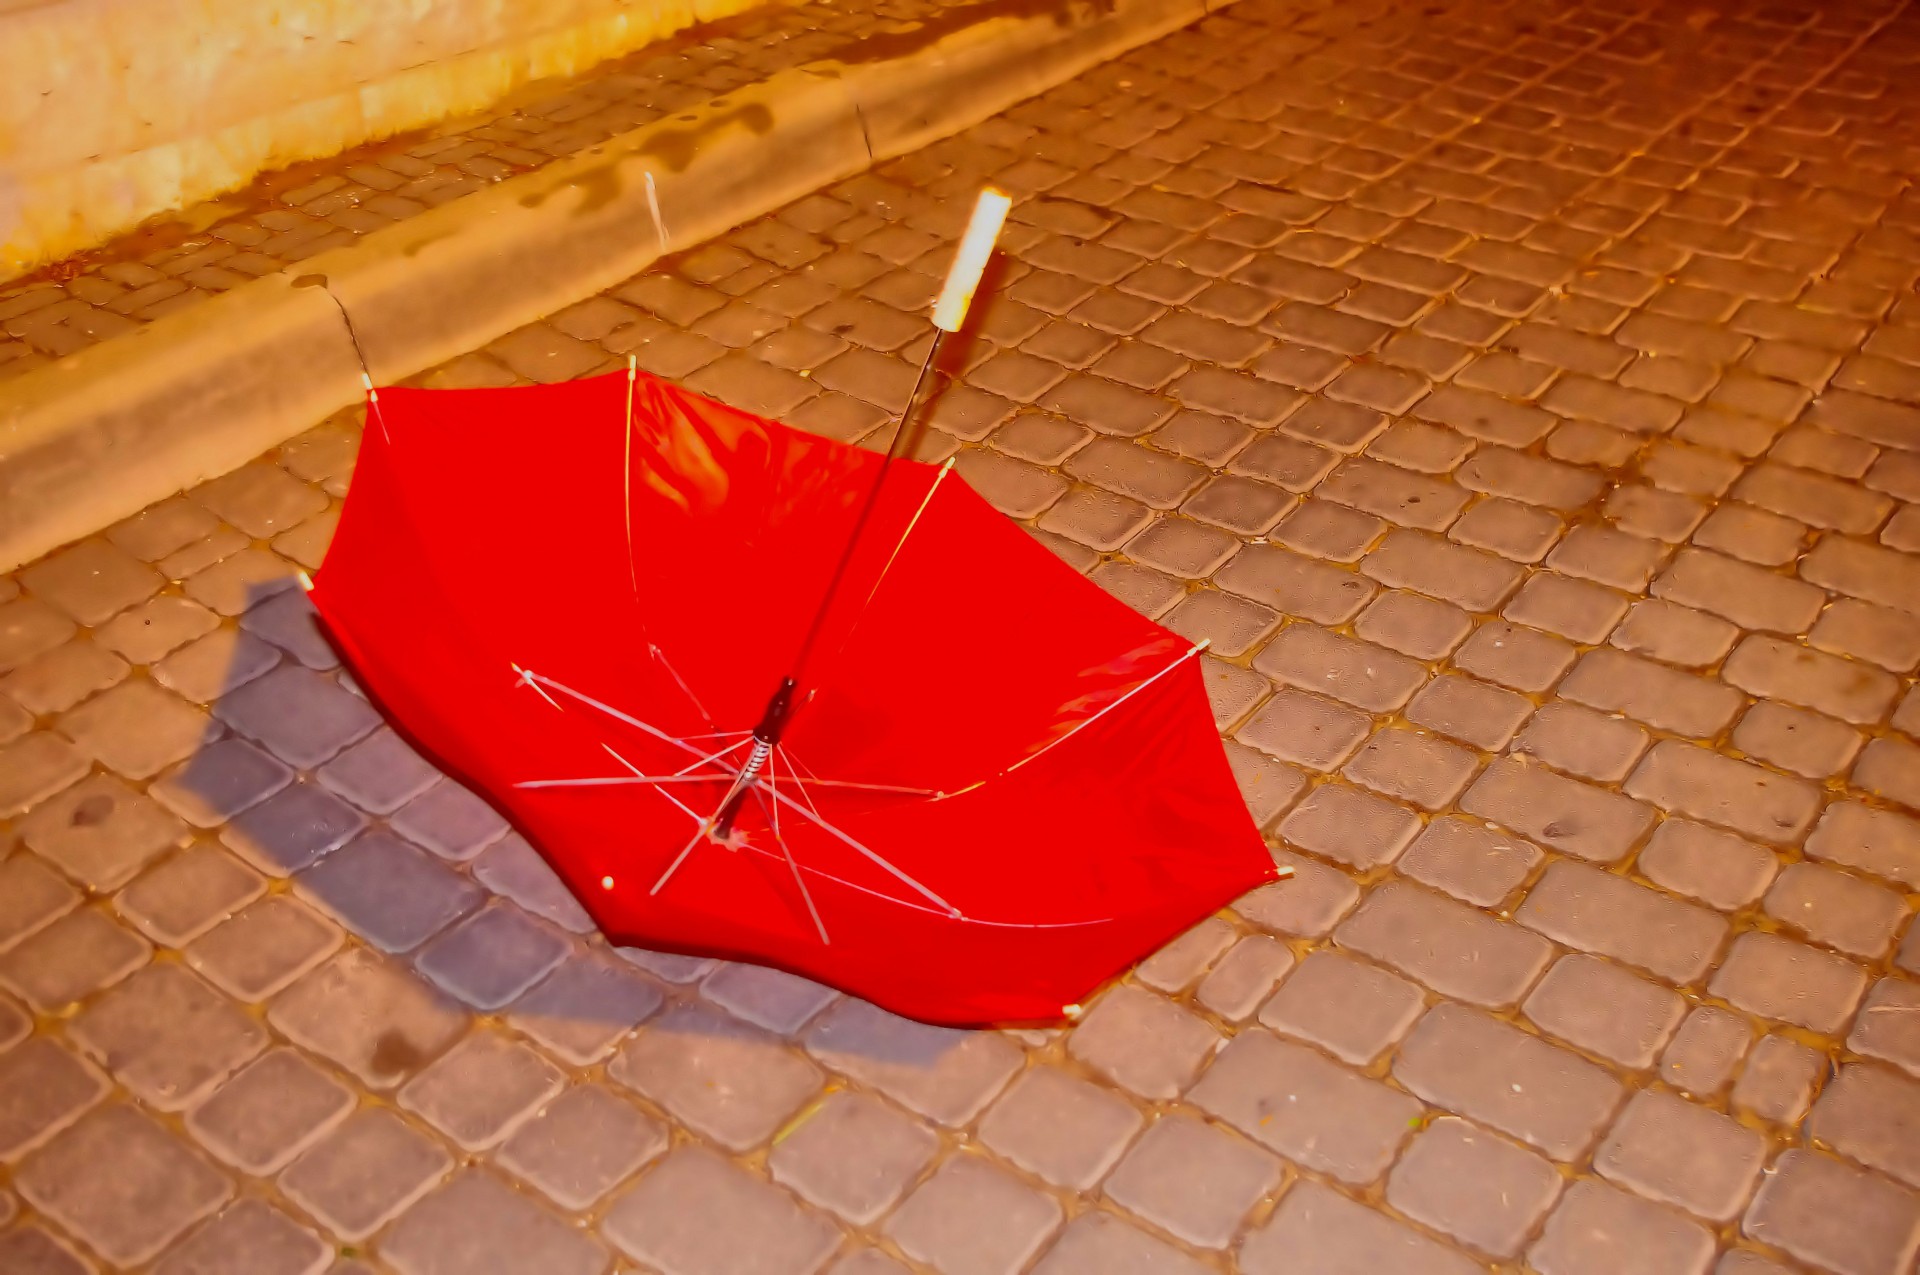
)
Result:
{"points": [[970, 262]]}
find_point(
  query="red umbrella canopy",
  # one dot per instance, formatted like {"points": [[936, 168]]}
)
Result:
{"points": [[999, 785]]}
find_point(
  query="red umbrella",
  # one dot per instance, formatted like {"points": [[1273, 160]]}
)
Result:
{"points": [[969, 785]]}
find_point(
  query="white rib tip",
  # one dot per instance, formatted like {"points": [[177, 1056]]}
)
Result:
{"points": [[366, 380], [1073, 1013], [1200, 646], [949, 465], [633, 366], [606, 883], [306, 581]]}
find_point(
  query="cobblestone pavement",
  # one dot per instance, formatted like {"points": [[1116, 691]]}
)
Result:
{"points": [[298, 212], [1525, 400]]}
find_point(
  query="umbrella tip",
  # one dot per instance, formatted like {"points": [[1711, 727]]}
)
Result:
{"points": [[306, 581], [1073, 1013]]}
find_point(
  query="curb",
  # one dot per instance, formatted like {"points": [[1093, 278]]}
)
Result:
{"points": [[98, 436]]}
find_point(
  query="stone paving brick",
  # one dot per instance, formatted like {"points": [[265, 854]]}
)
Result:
{"points": [[167, 1037], [249, 1236], [1181, 963], [219, 781], [474, 1223], [1588, 744], [1836, 1216], [43, 1089], [91, 581], [1777, 978], [1890, 768], [33, 1251], [1358, 673], [582, 1145], [1695, 781], [31, 895], [1295, 585], [122, 1183], [1343, 823], [730, 1082], [1779, 1080], [1517, 657], [70, 959], [1599, 1007], [946, 1075], [479, 1091], [1719, 869], [1312, 1111], [1752, 535], [1597, 1229], [1478, 1188], [1144, 1043], [1675, 1152], [769, 998], [1888, 1026], [392, 895], [972, 1219], [1749, 596], [1835, 909], [586, 1005], [1785, 671], [1558, 812], [1864, 571], [269, 1112], [1452, 948], [1661, 697], [188, 894], [1244, 977], [512, 868], [492, 957], [100, 832], [1674, 634], [136, 728], [1468, 578], [1413, 625], [1097, 1243], [853, 1155], [300, 716], [364, 1173], [1307, 905], [264, 948], [1877, 841], [1471, 711], [64, 676], [1572, 608], [1704, 1052], [1793, 739], [292, 828], [1869, 1113], [1063, 1129], [1193, 1180], [1318, 1230], [369, 1016], [1868, 632]]}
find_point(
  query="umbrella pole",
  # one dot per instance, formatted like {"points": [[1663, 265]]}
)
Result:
{"points": [[949, 311]]}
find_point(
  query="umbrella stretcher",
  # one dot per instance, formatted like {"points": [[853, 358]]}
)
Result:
{"points": [[762, 695]]}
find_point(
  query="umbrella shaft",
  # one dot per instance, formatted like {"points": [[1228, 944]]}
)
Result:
{"points": [[742, 785], [902, 440]]}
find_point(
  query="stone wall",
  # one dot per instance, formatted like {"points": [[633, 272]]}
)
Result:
{"points": [[114, 110]]}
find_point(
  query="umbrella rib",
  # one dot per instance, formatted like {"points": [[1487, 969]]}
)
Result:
{"points": [[661, 735], [1079, 726], [772, 811], [804, 813], [881, 578]]}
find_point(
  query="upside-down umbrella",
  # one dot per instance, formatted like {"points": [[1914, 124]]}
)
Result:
{"points": [[763, 695]]}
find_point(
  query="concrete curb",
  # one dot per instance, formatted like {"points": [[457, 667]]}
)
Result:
{"points": [[102, 434]]}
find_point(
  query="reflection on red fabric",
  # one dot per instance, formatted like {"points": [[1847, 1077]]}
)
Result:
{"points": [[553, 605]]}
